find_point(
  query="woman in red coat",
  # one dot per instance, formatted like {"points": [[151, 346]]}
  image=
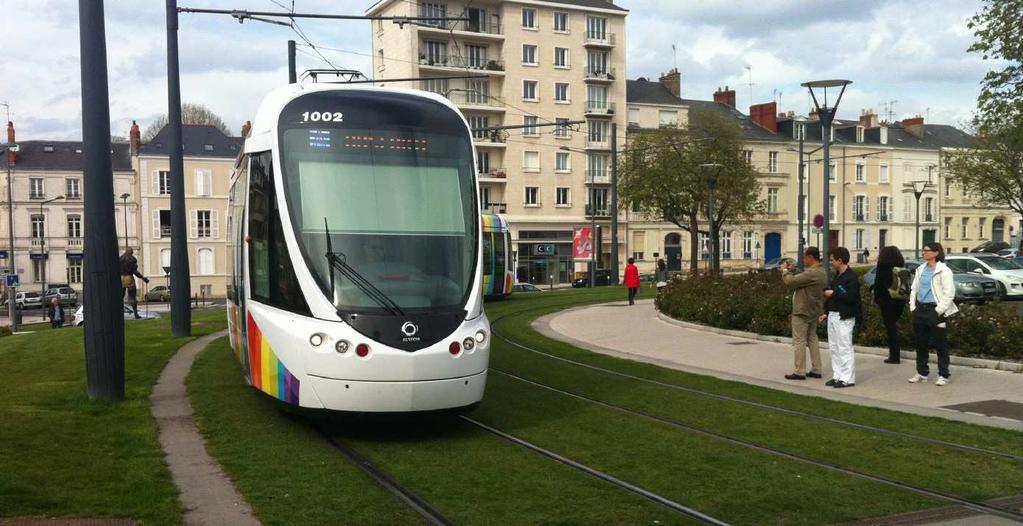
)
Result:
{"points": [[632, 280]]}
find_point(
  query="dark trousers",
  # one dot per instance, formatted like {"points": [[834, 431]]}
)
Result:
{"points": [[927, 335], [891, 311], [133, 298], [632, 294]]}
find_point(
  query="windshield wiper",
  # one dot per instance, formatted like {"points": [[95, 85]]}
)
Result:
{"points": [[337, 263]]}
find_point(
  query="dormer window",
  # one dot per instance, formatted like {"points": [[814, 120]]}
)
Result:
{"points": [[49, 148], [799, 131], [207, 147], [859, 134]]}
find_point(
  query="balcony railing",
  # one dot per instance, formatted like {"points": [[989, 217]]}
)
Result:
{"points": [[884, 218], [598, 142], [165, 231], [473, 98], [34, 195], [495, 138], [599, 73], [859, 217], [600, 38], [601, 107], [448, 61], [601, 211], [472, 26], [37, 242], [928, 217], [598, 176], [74, 242], [494, 173]]}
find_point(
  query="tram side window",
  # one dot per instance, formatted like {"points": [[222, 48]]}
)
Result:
{"points": [[235, 229], [271, 273]]}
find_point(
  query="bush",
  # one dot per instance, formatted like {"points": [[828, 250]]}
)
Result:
{"points": [[5, 331], [759, 303]]}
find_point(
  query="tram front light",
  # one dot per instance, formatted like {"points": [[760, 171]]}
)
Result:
{"points": [[454, 348], [362, 350], [316, 340], [481, 336], [342, 346], [469, 343]]}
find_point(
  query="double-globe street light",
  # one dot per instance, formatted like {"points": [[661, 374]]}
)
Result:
{"points": [[124, 201], [713, 170]]}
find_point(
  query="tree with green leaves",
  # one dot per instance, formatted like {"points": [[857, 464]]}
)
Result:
{"points": [[991, 169], [195, 114], [661, 176]]}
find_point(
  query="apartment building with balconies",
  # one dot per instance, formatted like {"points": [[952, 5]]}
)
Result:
{"points": [[209, 158], [538, 63], [47, 183]]}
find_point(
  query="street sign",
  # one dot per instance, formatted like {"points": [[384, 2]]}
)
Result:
{"points": [[818, 221], [3, 254], [12, 280], [817, 230], [39, 255]]}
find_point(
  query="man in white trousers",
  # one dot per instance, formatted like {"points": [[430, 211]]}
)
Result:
{"points": [[842, 306]]}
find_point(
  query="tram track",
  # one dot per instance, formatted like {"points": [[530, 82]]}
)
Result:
{"points": [[751, 403]]}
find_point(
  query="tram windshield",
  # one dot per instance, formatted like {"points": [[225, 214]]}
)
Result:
{"points": [[387, 185]]}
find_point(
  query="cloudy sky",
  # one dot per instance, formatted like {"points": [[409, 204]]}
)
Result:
{"points": [[909, 51]]}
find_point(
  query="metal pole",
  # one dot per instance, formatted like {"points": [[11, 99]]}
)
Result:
{"points": [[826, 115], [292, 75], [916, 250], [125, 201], [802, 212], [181, 312], [710, 225], [614, 203], [11, 291], [593, 232], [46, 266], [104, 334]]}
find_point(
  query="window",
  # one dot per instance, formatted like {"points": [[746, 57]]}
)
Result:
{"points": [[667, 118], [532, 196], [772, 162], [859, 134], [907, 208], [203, 182], [74, 271], [484, 197], [980, 227], [561, 130], [562, 195], [476, 56], [882, 208], [948, 189], [436, 53], [633, 116], [483, 161], [433, 10], [561, 162], [882, 175], [560, 57], [36, 189], [438, 86], [561, 92], [38, 226], [726, 245], [477, 123], [861, 174], [596, 99], [832, 173], [529, 18], [531, 161], [529, 90], [966, 226], [747, 156], [599, 198], [74, 226], [747, 244], [209, 147], [596, 64], [478, 91], [161, 224], [530, 122], [799, 131], [596, 28], [772, 200], [203, 224], [560, 22], [381, 65], [948, 228], [39, 270], [206, 261], [597, 131], [831, 208], [860, 208], [597, 166], [161, 183], [73, 188], [165, 260], [929, 209], [529, 54], [858, 238]]}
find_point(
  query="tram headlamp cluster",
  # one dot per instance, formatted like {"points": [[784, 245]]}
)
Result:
{"points": [[481, 336], [342, 346], [316, 339], [469, 343]]}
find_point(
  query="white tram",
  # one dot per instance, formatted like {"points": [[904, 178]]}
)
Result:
{"points": [[355, 243]]}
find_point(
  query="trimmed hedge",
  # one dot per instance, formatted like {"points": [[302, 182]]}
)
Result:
{"points": [[759, 303]]}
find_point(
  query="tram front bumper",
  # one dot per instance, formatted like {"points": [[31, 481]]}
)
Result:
{"points": [[373, 397]]}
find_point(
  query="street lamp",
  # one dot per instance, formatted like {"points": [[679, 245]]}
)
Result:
{"points": [[42, 249], [803, 212], [712, 182], [826, 115], [918, 190], [124, 200], [11, 291]]}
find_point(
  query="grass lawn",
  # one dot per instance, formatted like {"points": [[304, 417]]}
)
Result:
{"points": [[67, 456]]}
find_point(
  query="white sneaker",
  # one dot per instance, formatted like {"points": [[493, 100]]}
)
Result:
{"points": [[941, 381], [918, 379]]}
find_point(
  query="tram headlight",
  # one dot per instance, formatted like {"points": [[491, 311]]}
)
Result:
{"points": [[342, 346], [316, 339], [362, 350], [469, 343], [481, 336], [454, 348]]}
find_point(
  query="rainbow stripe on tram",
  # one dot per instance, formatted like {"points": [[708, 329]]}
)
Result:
{"points": [[266, 372]]}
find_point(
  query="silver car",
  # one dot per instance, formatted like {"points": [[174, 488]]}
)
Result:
{"points": [[969, 287]]}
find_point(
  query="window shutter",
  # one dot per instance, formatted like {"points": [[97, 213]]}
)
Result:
{"points": [[207, 184], [193, 224], [155, 190], [198, 183], [214, 225], [156, 224], [866, 208]]}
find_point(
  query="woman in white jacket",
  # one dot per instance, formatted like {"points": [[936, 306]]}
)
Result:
{"points": [[932, 303]]}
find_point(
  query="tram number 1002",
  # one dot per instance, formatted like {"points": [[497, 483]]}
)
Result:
{"points": [[325, 116]]}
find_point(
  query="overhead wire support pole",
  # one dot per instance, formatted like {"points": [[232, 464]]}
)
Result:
{"points": [[292, 75], [181, 311], [614, 202]]}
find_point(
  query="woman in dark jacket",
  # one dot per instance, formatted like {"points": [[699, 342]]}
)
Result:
{"points": [[891, 309]]}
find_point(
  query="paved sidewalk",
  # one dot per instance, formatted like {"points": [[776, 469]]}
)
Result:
{"points": [[637, 333]]}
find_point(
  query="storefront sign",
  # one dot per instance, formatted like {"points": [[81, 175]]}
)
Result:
{"points": [[72, 255], [544, 249], [3, 254], [37, 255], [582, 244]]}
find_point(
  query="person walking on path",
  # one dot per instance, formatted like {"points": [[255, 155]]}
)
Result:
{"points": [[891, 308], [632, 280], [807, 289], [661, 275], [843, 308], [129, 269], [931, 302], [56, 313]]}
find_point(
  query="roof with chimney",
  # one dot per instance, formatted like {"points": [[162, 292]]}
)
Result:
{"points": [[197, 141], [62, 156], [643, 91]]}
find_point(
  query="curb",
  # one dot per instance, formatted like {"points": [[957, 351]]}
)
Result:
{"points": [[979, 363]]}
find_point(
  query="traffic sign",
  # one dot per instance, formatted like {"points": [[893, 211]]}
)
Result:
{"points": [[818, 221], [12, 280]]}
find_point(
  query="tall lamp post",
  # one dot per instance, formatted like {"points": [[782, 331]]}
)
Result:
{"points": [[826, 115], [712, 182], [42, 249], [593, 219], [124, 201], [918, 190], [11, 291]]}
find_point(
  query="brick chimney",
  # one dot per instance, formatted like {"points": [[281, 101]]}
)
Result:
{"points": [[766, 115], [246, 128], [10, 140], [134, 138], [868, 119], [673, 81], [726, 96], [914, 126]]}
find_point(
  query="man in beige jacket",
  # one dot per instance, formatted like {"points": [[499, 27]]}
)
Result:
{"points": [[807, 289]]}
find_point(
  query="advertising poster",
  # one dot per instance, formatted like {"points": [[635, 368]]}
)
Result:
{"points": [[582, 244]]}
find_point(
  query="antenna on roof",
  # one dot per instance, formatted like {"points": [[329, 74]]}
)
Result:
{"points": [[749, 73], [889, 109], [674, 54]]}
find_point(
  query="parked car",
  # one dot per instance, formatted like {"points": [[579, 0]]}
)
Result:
{"points": [[1008, 253], [158, 293], [78, 318], [27, 300], [601, 278], [525, 287], [990, 247], [648, 277], [776, 263], [969, 287], [1007, 272], [66, 294]]}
